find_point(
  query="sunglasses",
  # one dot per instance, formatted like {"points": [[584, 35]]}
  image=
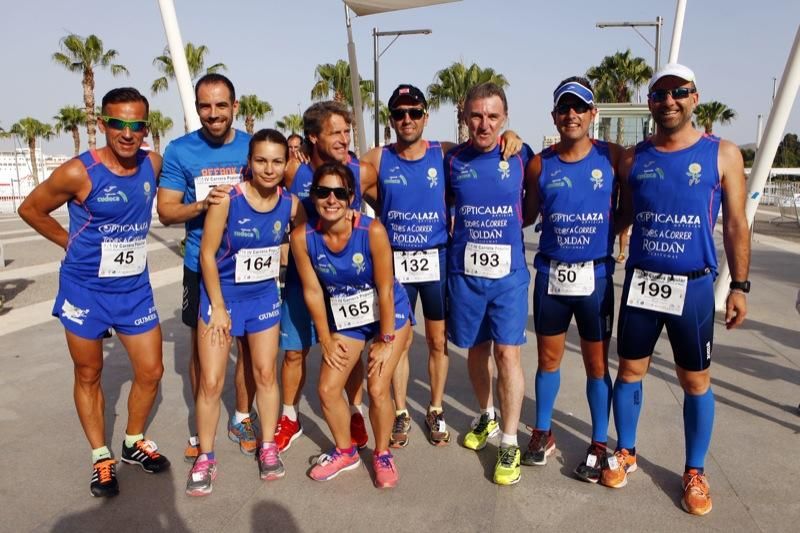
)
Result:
{"points": [[322, 193], [580, 108], [680, 93], [415, 113], [119, 124]]}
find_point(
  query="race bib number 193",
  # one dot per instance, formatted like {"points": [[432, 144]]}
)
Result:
{"points": [[491, 261]]}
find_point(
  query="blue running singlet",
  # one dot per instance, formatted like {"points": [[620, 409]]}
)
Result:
{"points": [[106, 249]]}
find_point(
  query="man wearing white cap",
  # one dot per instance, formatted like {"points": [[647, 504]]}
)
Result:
{"points": [[571, 184], [677, 180]]}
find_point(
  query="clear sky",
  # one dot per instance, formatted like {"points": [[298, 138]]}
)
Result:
{"points": [[272, 47]]}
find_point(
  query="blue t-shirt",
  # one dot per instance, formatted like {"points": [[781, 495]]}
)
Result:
{"points": [[192, 160], [412, 197], [676, 200], [487, 194], [575, 200]]}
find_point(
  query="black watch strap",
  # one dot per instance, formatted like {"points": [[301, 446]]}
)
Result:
{"points": [[743, 286]]}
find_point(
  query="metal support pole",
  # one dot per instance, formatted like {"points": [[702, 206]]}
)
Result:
{"points": [[677, 31], [659, 23], [355, 87], [178, 55], [375, 58]]}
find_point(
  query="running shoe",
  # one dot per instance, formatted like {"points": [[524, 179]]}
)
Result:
{"points": [[696, 493], [590, 469], [330, 465], [386, 475], [400, 429], [483, 430], [201, 477], [192, 449], [541, 445], [287, 432], [358, 430], [437, 429], [270, 465], [245, 434], [507, 469], [145, 454], [619, 465], [104, 478]]}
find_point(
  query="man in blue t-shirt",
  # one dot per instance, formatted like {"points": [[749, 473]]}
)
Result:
{"points": [[199, 169]]}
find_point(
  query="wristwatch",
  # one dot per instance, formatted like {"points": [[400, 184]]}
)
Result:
{"points": [[387, 338], [743, 286]]}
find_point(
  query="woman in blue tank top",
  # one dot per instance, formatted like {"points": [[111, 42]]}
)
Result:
{"points": [[345, 265], [240, 261]]}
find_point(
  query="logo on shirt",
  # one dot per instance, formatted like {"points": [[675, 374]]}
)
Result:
{"points": [[247, 233], [694, 173], [72, 313], [559, 183], [323, 265], [147, 190], [112, 194], [359, 263], [503, 169], [433, 177], [597, 179], [396, 179], [650, 173], [276, 230], [466, 173]]}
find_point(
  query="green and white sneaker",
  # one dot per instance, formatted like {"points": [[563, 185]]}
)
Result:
{"points": [[507, 469], [485, 428]]}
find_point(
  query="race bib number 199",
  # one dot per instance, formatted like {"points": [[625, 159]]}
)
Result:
{"points": [[491, 261], [122, 258], [664, 293]]}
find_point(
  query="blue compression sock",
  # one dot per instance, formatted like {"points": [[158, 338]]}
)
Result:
{"points": [[598, 393], [698, 422], [547, 385], [627, 406]]}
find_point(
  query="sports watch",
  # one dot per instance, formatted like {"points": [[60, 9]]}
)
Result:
{"points": [[387, 338], [743, 286]]}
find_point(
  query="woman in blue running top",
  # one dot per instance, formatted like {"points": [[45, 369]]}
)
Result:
{"points": [[240, 261], [345, 265]]}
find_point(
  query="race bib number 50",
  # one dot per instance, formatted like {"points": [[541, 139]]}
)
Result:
{"points": [[664, 293], [122, 258], [355, 310], [491, 261], [571, 279]]}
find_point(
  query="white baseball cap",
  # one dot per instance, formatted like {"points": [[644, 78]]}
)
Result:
{"points": [[673, 69]]}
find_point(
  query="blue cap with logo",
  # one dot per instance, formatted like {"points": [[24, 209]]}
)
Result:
{"points": [[573, 87]]}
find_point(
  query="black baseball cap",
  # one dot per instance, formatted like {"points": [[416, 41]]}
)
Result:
{"points": [[410, 92]]}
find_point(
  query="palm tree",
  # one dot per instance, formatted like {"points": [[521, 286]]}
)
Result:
{"points": [[383, 119], [333, 81], [84, 55], [452, 85], [616, 79], [69, 119], [710, 112], [252, 109], [158, 124], [290, 123], [29, 129]]}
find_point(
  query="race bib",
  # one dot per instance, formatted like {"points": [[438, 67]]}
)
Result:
{"points": [[257, 264], [416, 266], [122, 258], [491, 261], [664, 293], [355, 310], [571, 279], [204, 184]]}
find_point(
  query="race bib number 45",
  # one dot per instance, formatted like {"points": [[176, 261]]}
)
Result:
{"points": [[491, 261], [416, 266], [571, 279], [122, 258], [664, 293], [355, 310], [204, 184], [257, 264]]}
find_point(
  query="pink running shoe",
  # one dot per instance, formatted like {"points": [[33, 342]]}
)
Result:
{"points": [[330, 465], [386, 475]]}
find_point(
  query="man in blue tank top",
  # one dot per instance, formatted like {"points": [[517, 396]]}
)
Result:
{"points": [[199, 169], [487, 275], [326, 126], [410, 190], [572, 184], [104, 282], [675, 182]]}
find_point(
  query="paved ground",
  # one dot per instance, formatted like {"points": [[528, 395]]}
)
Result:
{"points": [[752, 465]]}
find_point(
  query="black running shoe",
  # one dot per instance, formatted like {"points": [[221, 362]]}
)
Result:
{"points": [[104, 479], [145, 454], [542, 445], [590, 468]]}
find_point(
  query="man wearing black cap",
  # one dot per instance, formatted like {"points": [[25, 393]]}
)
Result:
{"points": [[571, 184], [677, 181], [410, 191]]}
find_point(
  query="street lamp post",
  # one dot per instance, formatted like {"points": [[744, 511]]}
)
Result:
{"points": [[376, 57], [657, 47]]}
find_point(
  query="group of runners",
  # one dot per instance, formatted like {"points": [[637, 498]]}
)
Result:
{"points": [[280, 256]]}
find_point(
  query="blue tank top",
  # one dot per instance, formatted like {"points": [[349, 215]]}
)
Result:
{"points": [[575, 200], [118, 209], [412, 199], [248, 228], [676, 200], [301, 186], [487, 193]]}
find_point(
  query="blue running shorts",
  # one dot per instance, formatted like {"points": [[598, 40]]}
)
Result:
{"points": [[432, 294], [297, 328], [247, 316]]}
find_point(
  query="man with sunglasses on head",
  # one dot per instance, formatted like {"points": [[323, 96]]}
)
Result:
{"points": [[676, 182], [326, 126], [411, 192], [572, 185], [104, 281], [199, 170]]}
